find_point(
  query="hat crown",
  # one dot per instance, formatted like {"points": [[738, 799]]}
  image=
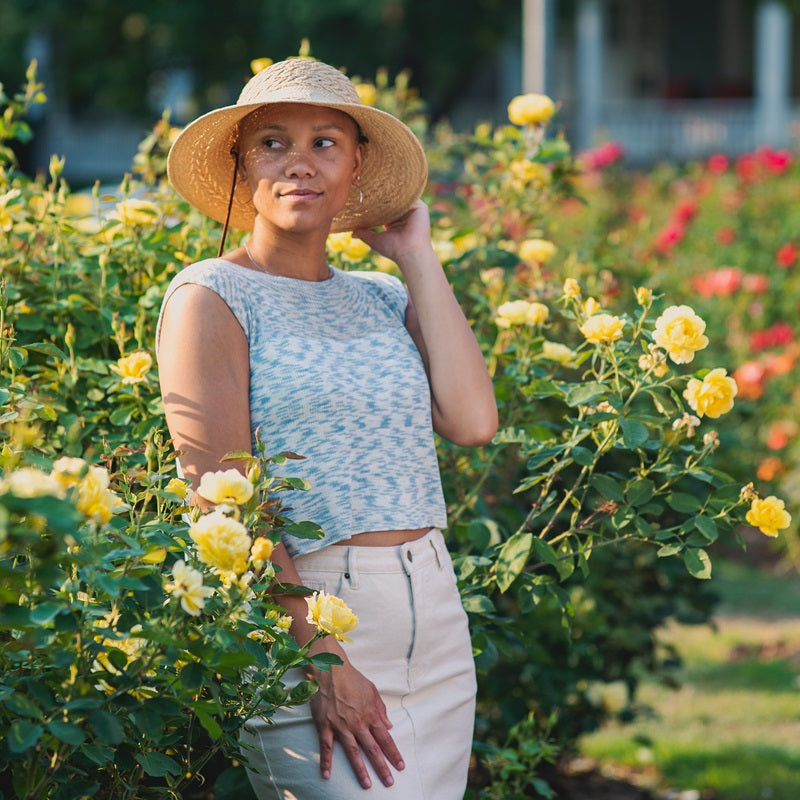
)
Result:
{"points": [[299, 80]]}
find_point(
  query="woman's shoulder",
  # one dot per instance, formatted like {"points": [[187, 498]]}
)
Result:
{"points": [[206, 270], [379, 282]]}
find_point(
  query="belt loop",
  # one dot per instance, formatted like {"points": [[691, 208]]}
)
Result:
{"points": [[352, 567], [437, 543]]}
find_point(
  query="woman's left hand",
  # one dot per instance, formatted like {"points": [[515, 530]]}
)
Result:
{"points": [[411, 234]]}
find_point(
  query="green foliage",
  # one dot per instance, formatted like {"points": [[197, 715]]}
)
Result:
{"points": [[577, 533]]}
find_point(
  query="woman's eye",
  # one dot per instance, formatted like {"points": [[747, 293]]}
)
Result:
{"points": [[271, 144], [325, 142]]}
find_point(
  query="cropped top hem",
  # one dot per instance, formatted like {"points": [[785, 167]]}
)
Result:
{"points": [[335, 377]]}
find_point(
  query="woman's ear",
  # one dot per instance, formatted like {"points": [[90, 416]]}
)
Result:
{"points": [[359, 160]]}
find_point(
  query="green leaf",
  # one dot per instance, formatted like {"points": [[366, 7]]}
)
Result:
{"points": [[22, 735], [668, 550], [192, 675], [539, 387], [707, 527], [608, 487], [106, 727], [512, 558], [698, 563], [49, 349], [582, 393], [67, 732], [640, 492], [634, 434], [209, 723], [44, 613], [99, 754], [304, 530], [122, 415], [157, 765], [684, 502], [544, 552], [477, 604], [583, 456]]}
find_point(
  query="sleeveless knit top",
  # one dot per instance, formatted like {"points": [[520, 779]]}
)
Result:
{"points": [[336, 378]]}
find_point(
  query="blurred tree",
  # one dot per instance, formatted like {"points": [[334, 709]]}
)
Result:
{"points": [[114, 56]]}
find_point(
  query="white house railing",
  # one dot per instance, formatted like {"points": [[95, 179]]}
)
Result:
{"points": [[651, 130]]}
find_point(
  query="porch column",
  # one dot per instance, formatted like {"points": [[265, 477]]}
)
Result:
{"points": [[538, 38], [589, 71], [772, 72]]}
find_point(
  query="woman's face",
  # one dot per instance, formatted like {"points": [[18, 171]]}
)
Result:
{"points": [[300, 163]]}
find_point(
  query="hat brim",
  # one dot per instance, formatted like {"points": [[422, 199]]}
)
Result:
{"points": [[393, 176]]}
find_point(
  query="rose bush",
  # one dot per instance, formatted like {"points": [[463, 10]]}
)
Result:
{"points": [[578, 532]]}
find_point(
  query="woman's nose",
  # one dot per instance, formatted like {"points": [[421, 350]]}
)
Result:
{"points": [[299, 163]]}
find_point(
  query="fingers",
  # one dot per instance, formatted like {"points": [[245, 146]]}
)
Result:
{"points": [[375, 743], [325, 752]]}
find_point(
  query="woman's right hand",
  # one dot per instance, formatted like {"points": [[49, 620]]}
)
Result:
{"points": [[348, 709]]}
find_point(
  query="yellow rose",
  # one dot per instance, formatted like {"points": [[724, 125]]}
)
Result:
{"points": [[261, 551], [571, 288], [68, 471], [367, 93], [602, 328], [591, 306], [350, 248], [537, 313], [554, 351], [221, 542], [644, 296], [6, 219], [132, 646], [536, 250], [133, 368], [679, 331], [530, 172], [134, 211], [95, 499], [612, 697], [258, 64], [768, 515], [31, 482], [713, 396], [331, 615], [514, 312], [225, 486], [530, 109], [188, 586], [178, 487]]}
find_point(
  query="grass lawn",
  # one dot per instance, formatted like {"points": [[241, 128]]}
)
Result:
{"points": [[733, 730]]}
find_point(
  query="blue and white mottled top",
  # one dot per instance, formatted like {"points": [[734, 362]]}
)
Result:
{"points": [[336, 377]]}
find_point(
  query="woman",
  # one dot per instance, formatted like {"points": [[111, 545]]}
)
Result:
{"points": [[354, 371]]}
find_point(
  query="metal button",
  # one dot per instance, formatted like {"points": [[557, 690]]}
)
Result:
{"points": [[347, 575]]}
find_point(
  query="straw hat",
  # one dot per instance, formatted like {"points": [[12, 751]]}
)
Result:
{"points": [[394, 171]]}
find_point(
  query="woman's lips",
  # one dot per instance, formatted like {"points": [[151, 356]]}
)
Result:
{"points": [[301, 194]]}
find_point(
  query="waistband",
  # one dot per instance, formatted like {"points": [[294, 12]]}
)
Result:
{"points": [[408, 557]]}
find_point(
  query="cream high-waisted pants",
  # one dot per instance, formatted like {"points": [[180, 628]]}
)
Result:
{"points": [[412, 642]]}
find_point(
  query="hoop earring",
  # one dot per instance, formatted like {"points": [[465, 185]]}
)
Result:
{"points": [[360, 193]]}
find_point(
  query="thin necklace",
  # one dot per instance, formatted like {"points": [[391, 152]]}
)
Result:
{"points": [[255, 263], [261, 268]]}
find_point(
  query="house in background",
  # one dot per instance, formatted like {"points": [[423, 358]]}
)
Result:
{"points": [[673, 79], [667, 79]]}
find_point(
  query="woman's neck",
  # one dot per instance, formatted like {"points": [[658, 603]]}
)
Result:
{"points": [[287, 254]]}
